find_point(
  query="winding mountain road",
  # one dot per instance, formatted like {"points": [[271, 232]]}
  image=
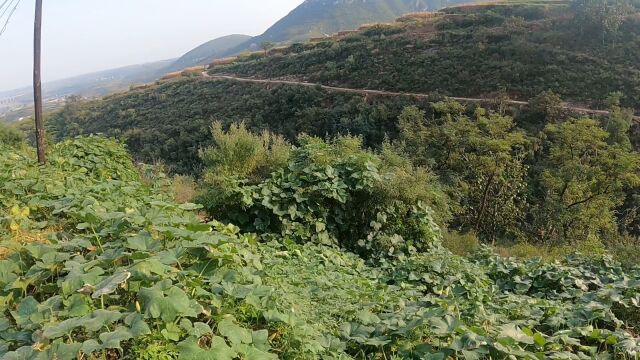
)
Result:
{"points": [[576, 109]]}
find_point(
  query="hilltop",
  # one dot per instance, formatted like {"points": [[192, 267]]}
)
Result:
{"points": [[321, 18], [512, 49]]}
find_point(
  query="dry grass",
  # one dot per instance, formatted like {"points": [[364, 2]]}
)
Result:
{"points": [[413, 16], [23, 237], [224, 61], [172, 75], [183, 189]]}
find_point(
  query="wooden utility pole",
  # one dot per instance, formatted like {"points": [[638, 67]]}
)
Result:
{"points": [[37, 83]]}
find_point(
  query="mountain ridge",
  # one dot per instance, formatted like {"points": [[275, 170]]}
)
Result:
{"points": [[208, 51], [318, 18]]}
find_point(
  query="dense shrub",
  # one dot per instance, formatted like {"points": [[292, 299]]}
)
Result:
{"points": [[333, 193]]}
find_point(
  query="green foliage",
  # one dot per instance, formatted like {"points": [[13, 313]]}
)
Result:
{"points": [[461, 244], [10, 136], [583, 181], [334, 193], [238, 153], [96, 157], [171, 122], [602, 17], [128, 273], [480, 158]]}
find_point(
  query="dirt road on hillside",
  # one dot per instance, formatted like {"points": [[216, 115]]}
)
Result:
{"points": [[580, 110]]}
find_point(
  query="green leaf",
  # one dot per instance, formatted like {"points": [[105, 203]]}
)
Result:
{"points": [[111, 284], [201, 329], [513, 332], [27, 308], [99, 319], [112, 340], [190, 207], [143, 242], [171, 332], [539, 339], [53, 331], [137, 325], [189, 350], [62, 351], [90, 346], [235, 333]]}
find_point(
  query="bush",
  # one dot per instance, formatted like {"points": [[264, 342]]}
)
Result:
{"points": [[332, 193], [10, 136], [460, 243], [99, 158], [239, 153]]}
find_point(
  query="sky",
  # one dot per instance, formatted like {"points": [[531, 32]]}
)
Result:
{"points": [[84, 36]]}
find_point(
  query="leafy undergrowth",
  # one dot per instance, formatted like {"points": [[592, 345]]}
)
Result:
{"points": [[126, 272]]}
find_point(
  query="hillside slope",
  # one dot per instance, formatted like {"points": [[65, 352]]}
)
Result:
{"points": [[325, 17], [513, 49], [318, 18], [208, 51]]}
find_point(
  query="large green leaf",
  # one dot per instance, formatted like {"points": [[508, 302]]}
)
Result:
{"points": [[190, 350], [234, 332]]}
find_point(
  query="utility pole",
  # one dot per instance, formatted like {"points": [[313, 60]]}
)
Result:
{"points": [[37, 83]]}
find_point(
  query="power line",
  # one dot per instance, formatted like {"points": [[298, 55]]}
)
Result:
{"points": [[4, 3], [4, 27], [6, 8]]}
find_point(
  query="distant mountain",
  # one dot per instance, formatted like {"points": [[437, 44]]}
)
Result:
{"points": [[208, 51], [317, 18], [17, 103]]}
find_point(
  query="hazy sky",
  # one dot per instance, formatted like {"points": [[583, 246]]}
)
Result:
{"points": [[82, 36]]}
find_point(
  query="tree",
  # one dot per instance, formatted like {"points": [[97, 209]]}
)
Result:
{"points": [[582, 182], [546, 105], [266, 46], [603, 16], [479, 158], [619, 121]]}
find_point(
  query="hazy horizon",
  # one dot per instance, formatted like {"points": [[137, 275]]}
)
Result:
{"points": [[81, 37]]}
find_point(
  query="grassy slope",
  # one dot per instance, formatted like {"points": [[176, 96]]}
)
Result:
{"points": [[522, 48]]}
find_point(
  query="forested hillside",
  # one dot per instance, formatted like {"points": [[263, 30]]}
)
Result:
{"points": [[514, 49], [170, 122]]}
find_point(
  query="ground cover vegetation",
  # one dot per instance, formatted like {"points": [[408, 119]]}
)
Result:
{"points": [[333, 225], [99, 261]]}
